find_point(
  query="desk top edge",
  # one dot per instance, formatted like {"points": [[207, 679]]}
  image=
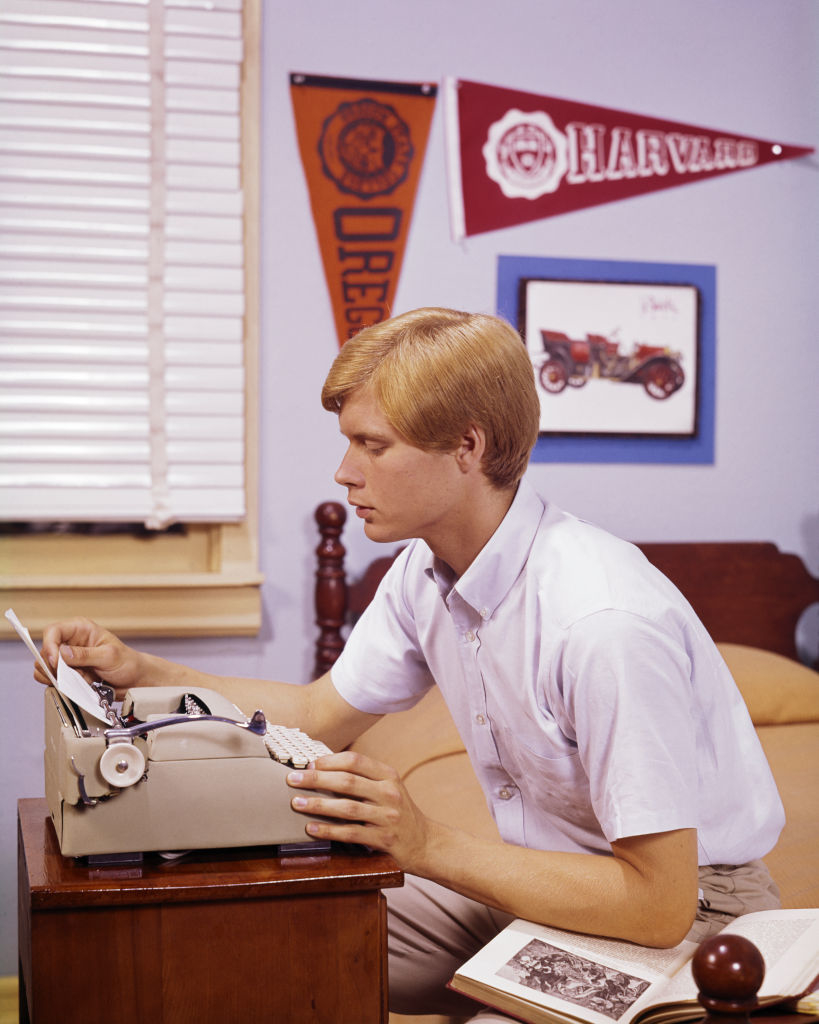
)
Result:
{"points": [[55, 881]]}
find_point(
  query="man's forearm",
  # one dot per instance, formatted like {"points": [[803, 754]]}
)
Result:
{"points": [[314, 707], [645, 892], [100, 654]]}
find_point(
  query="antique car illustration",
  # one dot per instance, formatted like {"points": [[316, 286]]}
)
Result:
{"points": [[574, 362]]}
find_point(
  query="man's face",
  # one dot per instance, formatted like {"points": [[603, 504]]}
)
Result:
{"points": [[398, 490]]}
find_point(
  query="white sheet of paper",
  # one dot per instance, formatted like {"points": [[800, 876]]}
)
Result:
{"points": [[72, 685], [68, 680], [25, 636]]}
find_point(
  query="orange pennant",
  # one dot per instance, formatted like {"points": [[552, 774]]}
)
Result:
{"points": [[362, 144]]}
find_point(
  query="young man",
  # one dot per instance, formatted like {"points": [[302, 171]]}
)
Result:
{"points": [[610, 741]]}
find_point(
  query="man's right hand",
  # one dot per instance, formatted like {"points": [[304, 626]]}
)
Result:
{"points": [[94, 651]]}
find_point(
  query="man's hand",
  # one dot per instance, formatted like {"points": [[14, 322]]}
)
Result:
{"points": [[94, 651], [369, 802]]}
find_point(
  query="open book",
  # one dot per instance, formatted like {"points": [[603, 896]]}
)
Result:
{"points": [[547, 976]]}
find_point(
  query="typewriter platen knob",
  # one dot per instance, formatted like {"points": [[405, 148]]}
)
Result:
{"points": [[122, 764]]}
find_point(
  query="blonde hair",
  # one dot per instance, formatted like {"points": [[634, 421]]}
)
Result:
{"points": [[436, 372]]}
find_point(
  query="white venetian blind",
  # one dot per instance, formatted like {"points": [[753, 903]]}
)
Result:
{"points": [[121, 261]]}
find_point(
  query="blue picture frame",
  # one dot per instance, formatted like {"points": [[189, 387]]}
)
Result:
{"points": [[697, 449]]}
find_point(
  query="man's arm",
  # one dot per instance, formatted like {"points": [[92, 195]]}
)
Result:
{"points": [[316, 708], [646, 892]]}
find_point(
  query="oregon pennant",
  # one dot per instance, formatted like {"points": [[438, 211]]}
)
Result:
{"points": [[517, 156], [362, 144]]}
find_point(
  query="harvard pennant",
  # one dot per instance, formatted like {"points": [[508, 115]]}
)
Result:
{"points": [[362, 144], [517, 156]]}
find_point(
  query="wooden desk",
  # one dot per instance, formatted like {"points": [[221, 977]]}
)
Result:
{"points": [[231, 935]]}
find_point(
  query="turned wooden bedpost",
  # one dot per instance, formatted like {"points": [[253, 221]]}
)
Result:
{"points": [[331, 586]]}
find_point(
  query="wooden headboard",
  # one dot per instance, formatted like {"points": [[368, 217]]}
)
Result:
{"points": [[745, 592]]}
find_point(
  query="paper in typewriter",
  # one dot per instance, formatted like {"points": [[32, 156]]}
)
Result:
{"points": [[68, 680], [72, 685]]}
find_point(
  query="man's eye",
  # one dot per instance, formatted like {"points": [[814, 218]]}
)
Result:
{"points": [[376, 449]]}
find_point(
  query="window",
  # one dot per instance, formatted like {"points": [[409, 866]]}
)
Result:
{"points": [[128, 311]]}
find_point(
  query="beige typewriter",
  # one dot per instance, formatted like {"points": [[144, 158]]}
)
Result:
{"points": [[170, 770], [173, 770]]}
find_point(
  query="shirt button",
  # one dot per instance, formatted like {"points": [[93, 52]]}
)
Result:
{"points": [[484, 613], [480, 719], [505, 794], [469, 636]]}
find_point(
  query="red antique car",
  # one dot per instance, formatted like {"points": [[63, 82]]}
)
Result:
{"points": [[573, 362]]}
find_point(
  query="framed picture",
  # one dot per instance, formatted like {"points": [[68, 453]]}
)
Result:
{"points": [[622, 353]]}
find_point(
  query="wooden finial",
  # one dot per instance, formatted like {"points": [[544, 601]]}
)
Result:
{"points": [[728, 970]]}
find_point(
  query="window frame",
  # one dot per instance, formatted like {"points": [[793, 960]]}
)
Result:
{"points": [[204, 580]]}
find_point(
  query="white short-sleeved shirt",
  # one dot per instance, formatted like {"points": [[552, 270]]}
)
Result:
{"points": [[591, 700]]}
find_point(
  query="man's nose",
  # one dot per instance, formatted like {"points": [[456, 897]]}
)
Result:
{"points": [[347, 474]]}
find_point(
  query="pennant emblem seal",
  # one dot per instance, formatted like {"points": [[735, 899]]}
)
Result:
{"points": [[365, 148], [525, 154]]}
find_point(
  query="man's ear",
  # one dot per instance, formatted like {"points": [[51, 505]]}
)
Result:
{"points": [[470, 451]]}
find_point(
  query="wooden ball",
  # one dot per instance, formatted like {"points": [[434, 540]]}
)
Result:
{"points": [[728, 970]]}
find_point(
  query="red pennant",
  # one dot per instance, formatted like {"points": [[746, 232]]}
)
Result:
{"points": [[517, 156], [362, 144]]}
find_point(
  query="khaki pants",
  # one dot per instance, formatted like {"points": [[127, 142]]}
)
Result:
{"points": [[727, 892], [432, 931]]}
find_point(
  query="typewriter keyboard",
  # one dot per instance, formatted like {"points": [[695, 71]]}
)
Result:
{"points": [[292, 746]]}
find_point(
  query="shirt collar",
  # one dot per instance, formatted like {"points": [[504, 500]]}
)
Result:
{"points": [[499, 563]]}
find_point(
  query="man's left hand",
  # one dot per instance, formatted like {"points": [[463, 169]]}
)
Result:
{"points": [[369, 803]]}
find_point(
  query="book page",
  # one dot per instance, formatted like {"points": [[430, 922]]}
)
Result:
{"points": [[596, 980], [789, 943]]}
